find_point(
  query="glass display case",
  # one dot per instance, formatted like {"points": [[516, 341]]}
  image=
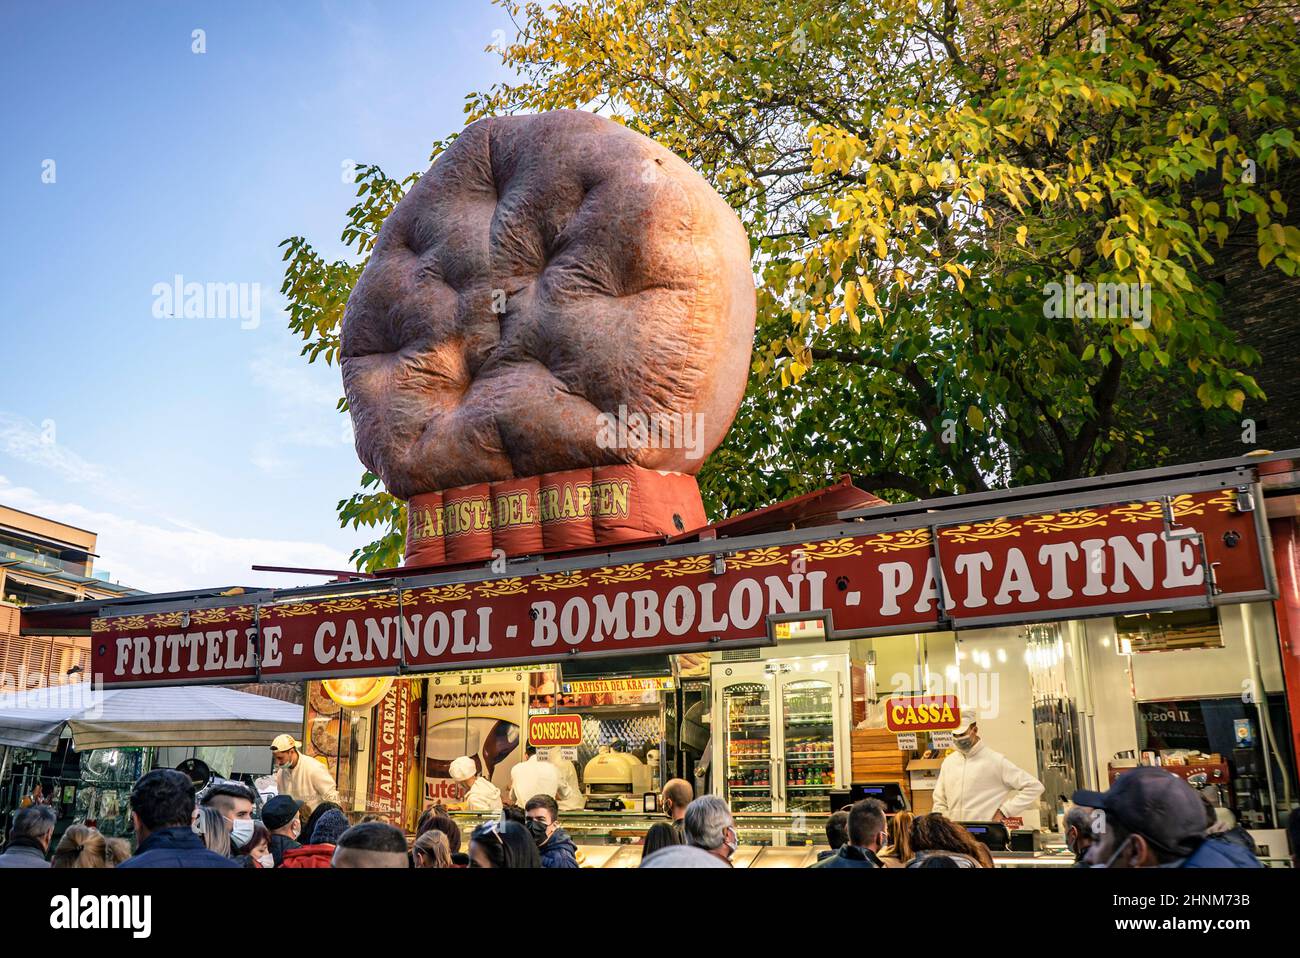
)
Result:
{"points": [[747, 780], [781, 740]]}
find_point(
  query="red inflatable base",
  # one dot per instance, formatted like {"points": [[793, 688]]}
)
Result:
{"points": [[576, 509]]}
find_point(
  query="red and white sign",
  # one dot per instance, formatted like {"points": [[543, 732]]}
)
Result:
{"points": [[922, 713], [547, 730], [1102, 560], [396, 737]]}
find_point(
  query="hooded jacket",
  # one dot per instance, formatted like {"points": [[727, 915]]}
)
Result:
{"points": [[308, 856], [176, 847], [559, 851]]}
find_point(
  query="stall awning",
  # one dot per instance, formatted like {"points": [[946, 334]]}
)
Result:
{"points": [[119, 718]]}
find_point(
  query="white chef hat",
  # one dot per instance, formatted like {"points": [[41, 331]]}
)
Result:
{"points": [[462, 769]]}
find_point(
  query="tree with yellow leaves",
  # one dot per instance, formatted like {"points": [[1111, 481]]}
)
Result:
{"points": [[985, 229]]}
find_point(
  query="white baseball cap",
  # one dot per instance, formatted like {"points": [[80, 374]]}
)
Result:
{"points": [[282, 743], [965, 720]]}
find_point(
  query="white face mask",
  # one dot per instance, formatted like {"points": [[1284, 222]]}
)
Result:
{"points": [[267, 860], [733, 845], [241, 830]]}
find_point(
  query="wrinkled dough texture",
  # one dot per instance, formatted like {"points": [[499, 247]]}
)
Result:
{"points": [[545, 270]]}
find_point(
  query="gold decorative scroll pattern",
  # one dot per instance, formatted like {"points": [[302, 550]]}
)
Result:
{"points": [[1183, 507]]}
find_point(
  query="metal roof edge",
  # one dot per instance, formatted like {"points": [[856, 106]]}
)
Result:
{"points": [[1114, 480]]}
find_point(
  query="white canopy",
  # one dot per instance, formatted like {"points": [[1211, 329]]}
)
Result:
{"points": [[117, 718]]}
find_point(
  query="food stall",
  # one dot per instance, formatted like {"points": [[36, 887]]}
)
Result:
{"points": [[1052, 643], [81, 748]]}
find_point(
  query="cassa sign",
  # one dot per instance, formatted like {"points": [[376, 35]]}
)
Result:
{"points": [[547, 730], [924, 713]]}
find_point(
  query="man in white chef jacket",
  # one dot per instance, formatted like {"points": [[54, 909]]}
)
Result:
{"points": [[477, 793], [536, 775], [977, 784]]}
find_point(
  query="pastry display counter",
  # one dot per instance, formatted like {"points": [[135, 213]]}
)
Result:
{"points": [[769, 840]]}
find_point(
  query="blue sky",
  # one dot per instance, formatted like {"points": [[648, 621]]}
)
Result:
{"points": [[195, 447]]}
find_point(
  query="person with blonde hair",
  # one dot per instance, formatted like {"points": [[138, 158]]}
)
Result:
{"points": [[214, 828], [899, 850], [81, 847], [432, 850], [116, 851]]}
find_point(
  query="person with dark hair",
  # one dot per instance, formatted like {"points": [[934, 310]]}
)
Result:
{"points": [[537, 775], [162, 808], [899, 850], [235, 801], [866, 836], [371, 845], [319, 851], [257, 853], [553, 842], [1150, 818], [514, 813], [934, 835], [659, 835], [29, 839], [281, 818], [436, 817], [837, 833], [498, 844], [309, 826], [937, 861]]}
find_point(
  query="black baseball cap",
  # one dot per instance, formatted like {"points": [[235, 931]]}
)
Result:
{"points": [[279, 811], [1155, 804]]}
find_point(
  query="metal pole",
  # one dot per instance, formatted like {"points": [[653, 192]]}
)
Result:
{"points": [[1260, 696]]}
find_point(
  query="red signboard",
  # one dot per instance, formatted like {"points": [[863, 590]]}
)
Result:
{"points": [[546, 730], [1089, 561], [922, 713], [396, 737]]}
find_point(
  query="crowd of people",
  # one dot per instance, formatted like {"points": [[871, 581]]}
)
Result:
{"points": [[1147, 819]]}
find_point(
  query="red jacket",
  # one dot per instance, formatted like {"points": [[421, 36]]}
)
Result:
{"points": [[308, 856]]}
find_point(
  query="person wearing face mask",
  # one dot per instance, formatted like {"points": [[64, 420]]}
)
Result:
{"points": [[711, 838], [553, 842], [235, 802], [477, 793], [867, 834], [280, 816], [1078, 833], [1150, 818], [675, 797], [977, 784], [257, 853], [301, 776]]}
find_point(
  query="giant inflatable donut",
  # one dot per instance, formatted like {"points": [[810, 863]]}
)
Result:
{"points": [[547, 271]]}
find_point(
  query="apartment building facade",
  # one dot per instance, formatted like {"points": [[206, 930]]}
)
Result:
{"points": [[42, 562]]}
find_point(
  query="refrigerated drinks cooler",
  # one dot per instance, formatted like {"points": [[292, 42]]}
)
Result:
{"points": [[781, 732]]}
